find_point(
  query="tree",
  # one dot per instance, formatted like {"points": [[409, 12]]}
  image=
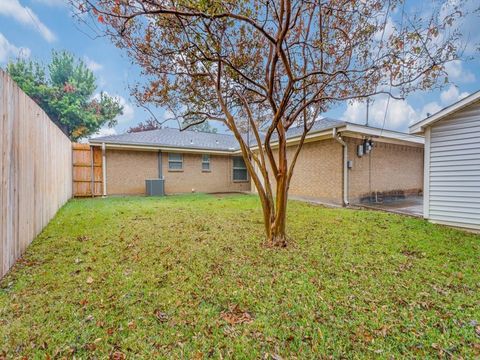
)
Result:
{"points": [[203, 126], [276, 65], [149, 124], [65, 91]]}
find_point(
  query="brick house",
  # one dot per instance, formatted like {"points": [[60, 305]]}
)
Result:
{"points": [[336, 164]]}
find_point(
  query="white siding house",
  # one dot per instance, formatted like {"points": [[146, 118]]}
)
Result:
{"points": [[452, 164]]}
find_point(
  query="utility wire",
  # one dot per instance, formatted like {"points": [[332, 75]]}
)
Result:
{"points": [[390, 90]]}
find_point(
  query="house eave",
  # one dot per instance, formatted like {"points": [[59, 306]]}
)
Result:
{"points": [[143, 147], [350, 130], [384, 135]]}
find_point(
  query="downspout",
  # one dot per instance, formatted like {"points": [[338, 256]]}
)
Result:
{"points": [[337, 137], [104, 168], [160, 169]]}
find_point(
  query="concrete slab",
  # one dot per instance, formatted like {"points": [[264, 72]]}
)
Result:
{"points": [[412, 206]]}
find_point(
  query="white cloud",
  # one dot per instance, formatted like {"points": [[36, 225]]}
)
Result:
{"points": [[91, 64], [104, 131], [128, 111], [399, 113], [451, 95], [26, 16], [457, 73], [389, 31], [427, 110], [8, 50]]}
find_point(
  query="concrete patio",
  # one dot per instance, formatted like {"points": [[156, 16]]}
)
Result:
{"points": [[412, 206]]}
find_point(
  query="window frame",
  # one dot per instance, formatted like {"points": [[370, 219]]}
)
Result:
{"points": [[208, 162], [176, 161], [239, 168]]}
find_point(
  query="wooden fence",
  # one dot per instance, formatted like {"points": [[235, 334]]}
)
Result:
{"points": [[35, 171], [87, 170]]}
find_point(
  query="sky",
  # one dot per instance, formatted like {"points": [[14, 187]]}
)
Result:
{"points": [[33, 28]]}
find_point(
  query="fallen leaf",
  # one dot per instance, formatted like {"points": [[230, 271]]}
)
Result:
{"points": [[161, 316], [89, 280], [235, 315], [117, 355], [90, 346]]}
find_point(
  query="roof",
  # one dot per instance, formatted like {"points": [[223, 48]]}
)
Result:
{"points": [[319, 125], [420, 126], [174, 139]]}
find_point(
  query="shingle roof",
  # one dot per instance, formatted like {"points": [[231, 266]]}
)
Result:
{"points": [[200, 140], [174, 138], [319, 125]]}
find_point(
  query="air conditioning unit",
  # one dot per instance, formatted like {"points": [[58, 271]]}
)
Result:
{"points": [[155, 187]]}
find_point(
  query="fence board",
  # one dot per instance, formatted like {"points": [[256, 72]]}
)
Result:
{"points": [[35, 171], [83, 170]]}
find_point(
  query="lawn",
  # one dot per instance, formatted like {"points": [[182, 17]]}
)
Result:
{"points": [[187, 277]]}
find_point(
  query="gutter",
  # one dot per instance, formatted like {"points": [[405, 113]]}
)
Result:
{"points": [[184, 150], [337, 137]]}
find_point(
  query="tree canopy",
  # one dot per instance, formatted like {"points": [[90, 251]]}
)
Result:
{"points": [[65, 90], [202, 126], [148, 125]]}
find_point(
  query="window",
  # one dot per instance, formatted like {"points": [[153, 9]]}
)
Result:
{"points": [[175, 161], [205, 162], [239, 169]]}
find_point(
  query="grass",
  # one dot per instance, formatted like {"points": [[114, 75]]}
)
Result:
{"points": [[187, 277]]}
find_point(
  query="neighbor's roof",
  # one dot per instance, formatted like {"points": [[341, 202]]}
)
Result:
{"points": [[420, 126], [174, 139]]}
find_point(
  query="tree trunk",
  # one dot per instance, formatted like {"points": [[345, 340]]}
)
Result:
{"points": [[275, 215]]}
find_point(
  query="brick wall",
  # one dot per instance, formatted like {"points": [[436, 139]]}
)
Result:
{"points": [[318, 171], [127, 171], [219, 179], [393, 167]]}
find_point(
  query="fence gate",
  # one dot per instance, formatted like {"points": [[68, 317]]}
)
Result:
{"points": [[87, 170]]}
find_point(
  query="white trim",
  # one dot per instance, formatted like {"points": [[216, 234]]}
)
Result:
{"points": [[420, 126], [384, 135], [387, 134], [426, 175], [162, 148], [314, 136], [466, 227]]}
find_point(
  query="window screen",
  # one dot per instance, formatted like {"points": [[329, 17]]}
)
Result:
{"points": [[175, 161], [239, 169], [205, 162]]}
